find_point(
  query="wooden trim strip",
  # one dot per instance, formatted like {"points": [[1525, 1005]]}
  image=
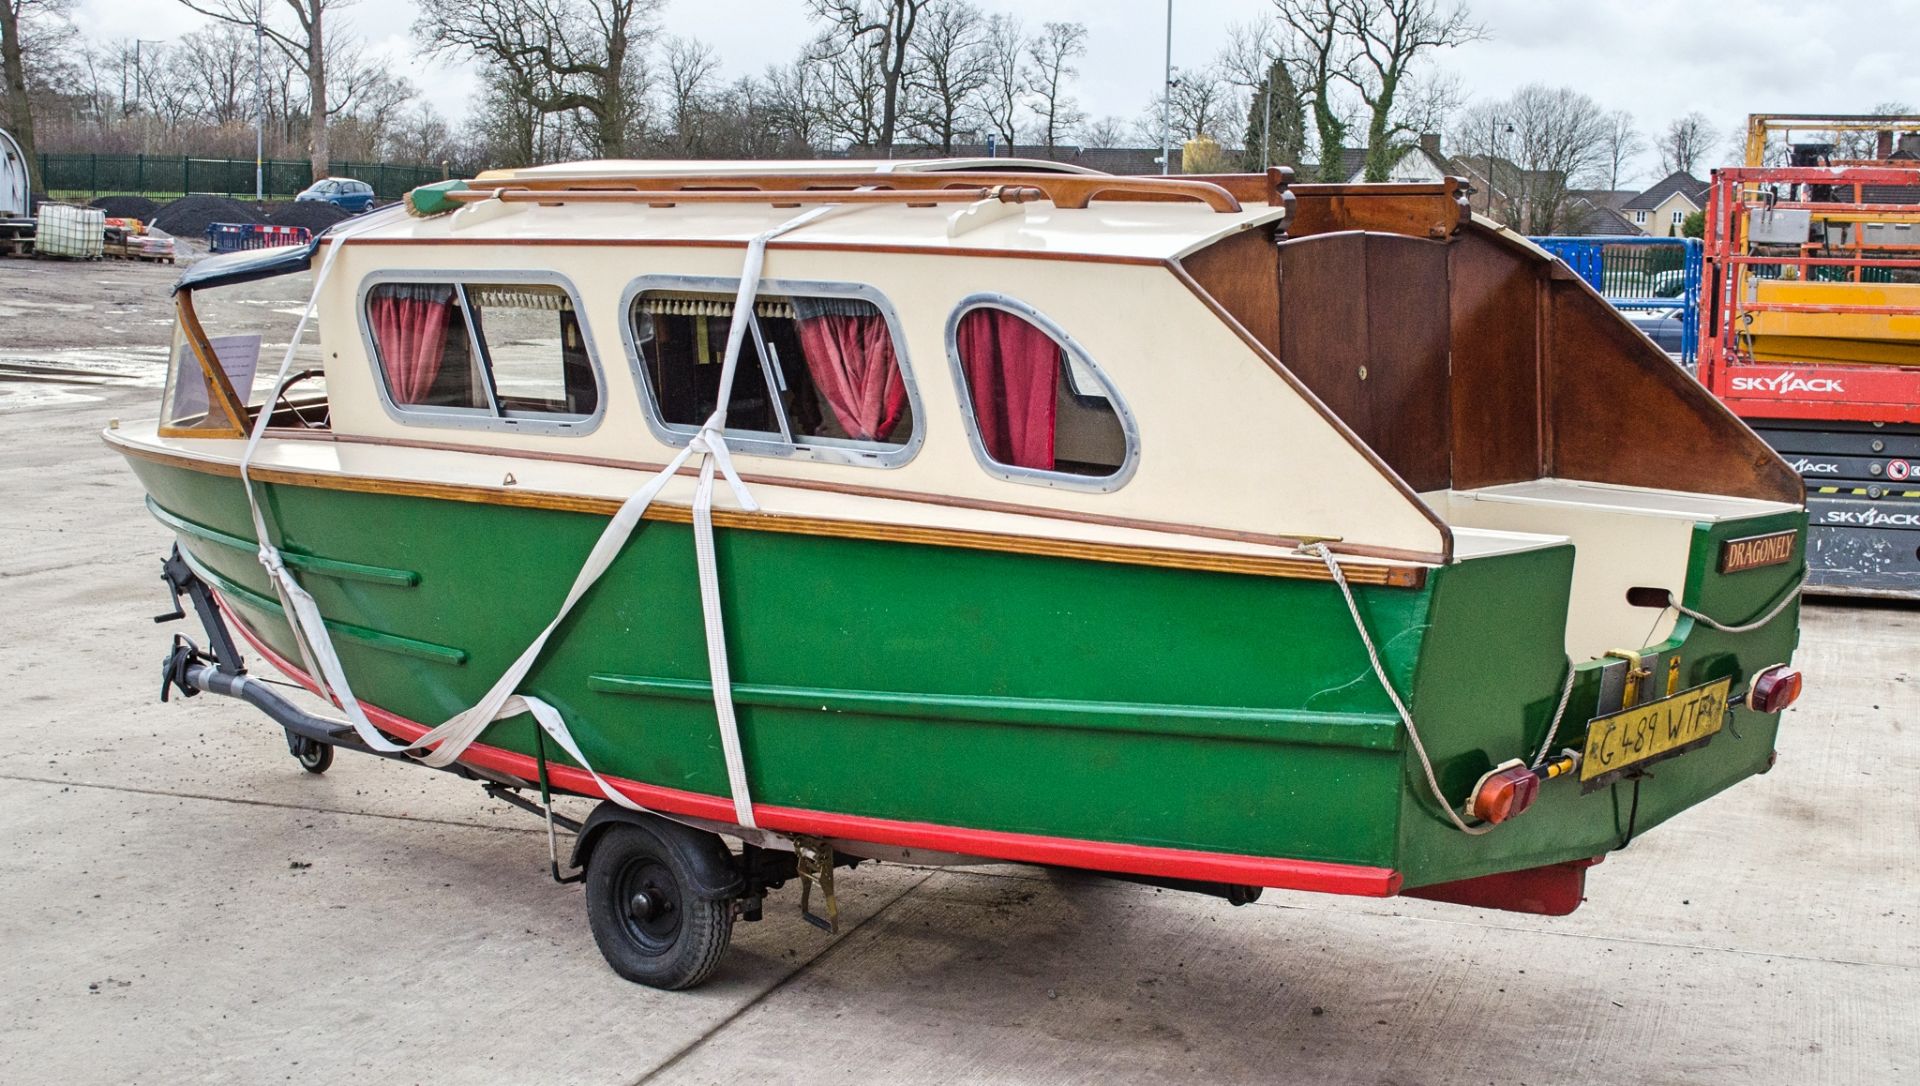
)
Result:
{"points": [[325, 567], [1071, 191], [1363, 731], [1008, 194], [1158, 861], [945, 501], [1393, 477], [372, 638], [219, 388], [784, 245], [1159, 557]]}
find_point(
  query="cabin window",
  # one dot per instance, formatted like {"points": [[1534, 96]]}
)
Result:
{"points": [[498, 354], [1037, 409], [821, 374]]}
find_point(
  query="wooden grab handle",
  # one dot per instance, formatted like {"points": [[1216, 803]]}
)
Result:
{"points": [[1070, 191]]}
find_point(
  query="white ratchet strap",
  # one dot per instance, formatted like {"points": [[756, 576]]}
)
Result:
{"points": [[444, 744]]}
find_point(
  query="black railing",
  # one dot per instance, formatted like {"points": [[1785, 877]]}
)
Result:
{"points": [[141, 175]]}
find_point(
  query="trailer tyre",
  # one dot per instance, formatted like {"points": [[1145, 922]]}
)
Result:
{"points": [[650, 923], [315, 758]]}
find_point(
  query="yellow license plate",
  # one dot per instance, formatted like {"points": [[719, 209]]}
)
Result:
{"points": [[1643, 733]]}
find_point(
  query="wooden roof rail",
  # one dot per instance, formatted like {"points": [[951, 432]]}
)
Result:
{"points": [[1070, 191], [1006, 194]]}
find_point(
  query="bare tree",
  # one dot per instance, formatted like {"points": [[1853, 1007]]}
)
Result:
{"points": [[583, 58], [854, 89], [1001, 99], [1201, 103], [305, 43], [1558, 141], [1390, 37], [798, 101], [1859, 145], [887, 28], [691, 66], [18, 60], [1050, 57], [1105, 132], [1250, 50], [1684, 143], [950, 69], [1624, 144], [1317, 30], [220, 60]]}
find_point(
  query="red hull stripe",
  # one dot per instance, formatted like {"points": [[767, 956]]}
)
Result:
{"points": [[1176, 863]]}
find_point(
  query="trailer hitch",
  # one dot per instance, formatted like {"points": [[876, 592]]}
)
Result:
{"points": [[181, 581], [176, 670]]}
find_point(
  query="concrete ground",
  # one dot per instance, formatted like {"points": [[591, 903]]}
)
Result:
{"points": [[180, 903]]}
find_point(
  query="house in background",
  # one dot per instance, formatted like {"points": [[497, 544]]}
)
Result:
{"points": [[1597, 212], [1660, 210]]}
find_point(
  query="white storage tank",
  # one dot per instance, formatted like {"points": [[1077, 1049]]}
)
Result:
{"points": [[70, 231]]}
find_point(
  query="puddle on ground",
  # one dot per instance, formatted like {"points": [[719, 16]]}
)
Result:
{"points": [[48, 378]]}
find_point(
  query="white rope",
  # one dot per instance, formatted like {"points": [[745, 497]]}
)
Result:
{"points": [[1320, 551], [445, 743], [1553, 730], [1792, 593]]}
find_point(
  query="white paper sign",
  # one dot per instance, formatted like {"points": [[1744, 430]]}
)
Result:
{"points": [[239, 358]]}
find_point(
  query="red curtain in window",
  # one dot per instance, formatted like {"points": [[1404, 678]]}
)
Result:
{"points": [[851, 359], [1013, 375], [410, 327]]}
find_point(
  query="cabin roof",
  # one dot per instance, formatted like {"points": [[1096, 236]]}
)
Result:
{"points": [[1107, 230]]}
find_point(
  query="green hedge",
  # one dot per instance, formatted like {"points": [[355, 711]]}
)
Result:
{"points": [[177, 175]]}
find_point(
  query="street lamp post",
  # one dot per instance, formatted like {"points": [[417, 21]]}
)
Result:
{"points": [[1493, 139], [1166, 100], [259, 106]]}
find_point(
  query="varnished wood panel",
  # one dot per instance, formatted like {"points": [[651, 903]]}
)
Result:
{"points": [[1621, 412], [1434, 210], [1242, 273], [1363, 323], [1407, 383], [1496, 294]]}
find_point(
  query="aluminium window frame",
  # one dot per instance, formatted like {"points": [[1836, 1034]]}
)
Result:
{"points": [[1059, 480], [492, 417], [764, 442]]}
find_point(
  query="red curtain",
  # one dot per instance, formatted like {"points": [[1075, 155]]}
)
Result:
{"points": [[851, 359], [410, 327], [1013, 375]]}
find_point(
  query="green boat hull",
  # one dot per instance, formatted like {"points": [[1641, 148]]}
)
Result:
{"points": [[1062, 698]]}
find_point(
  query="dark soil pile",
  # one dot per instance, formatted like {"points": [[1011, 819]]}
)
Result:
{"points": [[189, 216], [127, 207], [313, 214]]}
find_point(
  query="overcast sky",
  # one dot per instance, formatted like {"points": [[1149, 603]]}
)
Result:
{"points": [[1657, 59]]}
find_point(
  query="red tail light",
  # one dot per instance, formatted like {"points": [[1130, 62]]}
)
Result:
{"points": [[1773, 689], [1506, 790]]}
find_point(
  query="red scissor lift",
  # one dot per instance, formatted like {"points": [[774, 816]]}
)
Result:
{"points": [[1810, 330]]}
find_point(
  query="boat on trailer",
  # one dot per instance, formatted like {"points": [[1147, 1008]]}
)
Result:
{"points": [[1222, 533]]}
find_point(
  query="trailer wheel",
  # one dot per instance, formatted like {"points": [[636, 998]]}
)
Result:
{"points": [[650, 923], [315, 758]]}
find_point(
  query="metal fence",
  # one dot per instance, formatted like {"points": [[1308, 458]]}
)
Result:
{"points": [[1640, 273], [175, 174]]}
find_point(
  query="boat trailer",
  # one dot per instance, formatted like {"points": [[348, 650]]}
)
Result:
{"points": [[663, 892]]}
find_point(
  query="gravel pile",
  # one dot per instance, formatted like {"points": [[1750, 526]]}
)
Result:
{"points": [[314, 215], [189, 216], [127, 207]]}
